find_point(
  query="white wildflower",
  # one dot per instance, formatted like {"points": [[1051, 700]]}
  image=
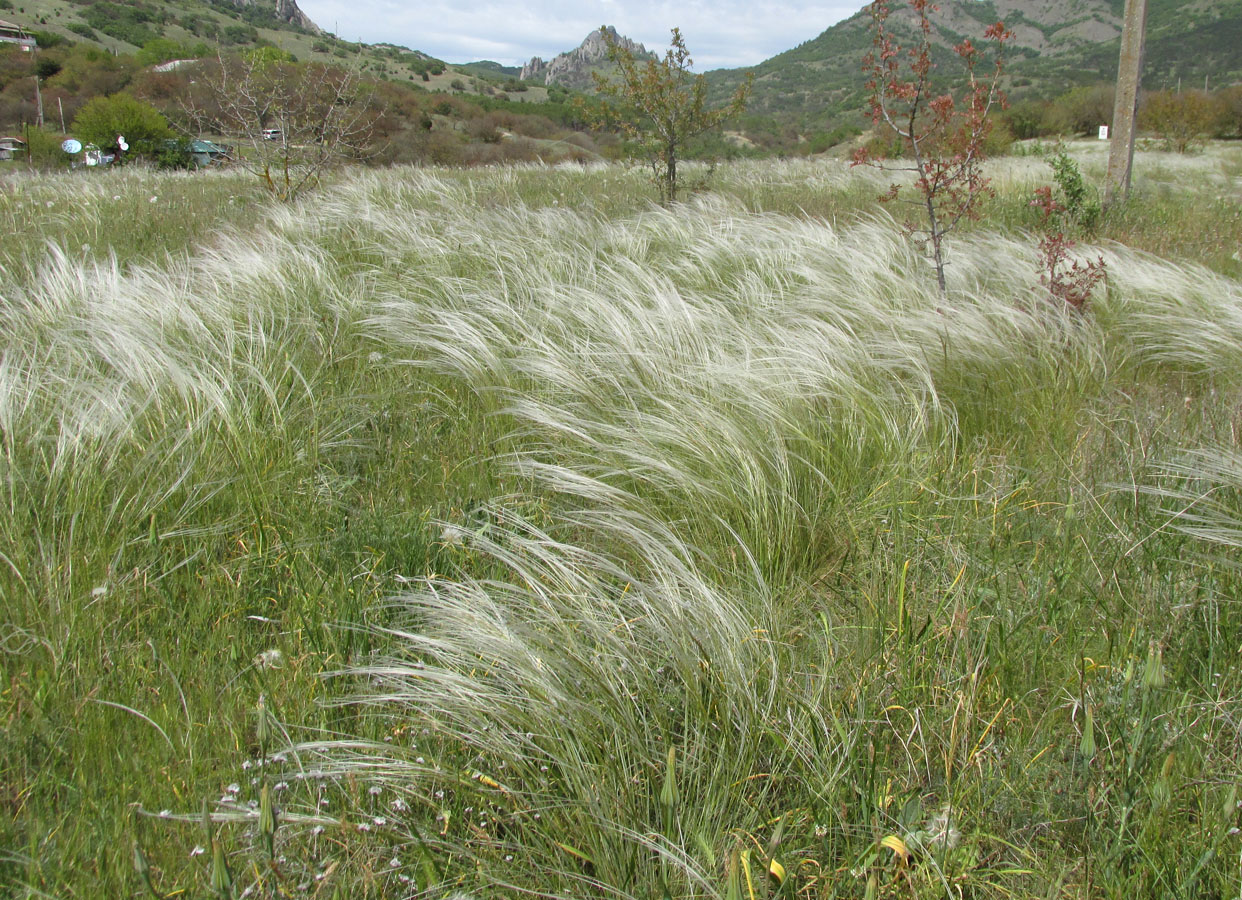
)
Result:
{"points": [[269, 659]]}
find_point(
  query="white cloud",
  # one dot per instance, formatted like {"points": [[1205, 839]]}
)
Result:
{"points": [[720, 34]]}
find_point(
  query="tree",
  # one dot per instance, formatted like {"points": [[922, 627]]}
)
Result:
{"points": [[1084, 109], [104, 119], [661, 105], [943, 136], [293, 121], [1182, 120]]}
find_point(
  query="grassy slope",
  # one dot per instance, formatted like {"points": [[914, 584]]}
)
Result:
{"points": [[730, 479]]}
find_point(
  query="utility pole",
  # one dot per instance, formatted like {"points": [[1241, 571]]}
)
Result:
{"points": [[1125, 107]]}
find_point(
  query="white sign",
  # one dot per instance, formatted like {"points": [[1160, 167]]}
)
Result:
{"points": [[1103, 132], [120, 142], [69, 145]]}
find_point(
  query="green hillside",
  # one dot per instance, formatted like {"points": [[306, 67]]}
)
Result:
{"points": [[1057, 47], [202, 26]]}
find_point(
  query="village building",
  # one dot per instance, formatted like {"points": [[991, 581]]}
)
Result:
{"points": [[15, 34], [10, 147]]}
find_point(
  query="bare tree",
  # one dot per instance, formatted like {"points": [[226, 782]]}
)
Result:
{"points": [[290, 122]]}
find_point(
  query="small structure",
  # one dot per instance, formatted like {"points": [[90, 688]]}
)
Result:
{"points": [[15, 34], [198, 153], [10, 147], [173, 65], [209, 153]]}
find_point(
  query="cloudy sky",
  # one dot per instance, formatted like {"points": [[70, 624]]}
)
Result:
{"points": [[723, 33]]}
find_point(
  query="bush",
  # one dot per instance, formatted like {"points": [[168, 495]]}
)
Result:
{"points": [[1182, 120], [102, 119], [1228, 105], [1082, 110], [82, 30], [48, 39], [484, 129], [161, 50], [1030, 119]]}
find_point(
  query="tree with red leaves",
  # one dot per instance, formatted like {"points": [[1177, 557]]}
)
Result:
{"points": [[942, 135]]}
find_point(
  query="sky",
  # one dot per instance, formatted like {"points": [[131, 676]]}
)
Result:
{"points": [[719, 34]]}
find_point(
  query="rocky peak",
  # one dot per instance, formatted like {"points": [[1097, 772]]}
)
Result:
{"points": [[285, 11], [573, 69]]}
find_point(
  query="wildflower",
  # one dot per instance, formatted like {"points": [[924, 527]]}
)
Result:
{"points": [[99, 591], [940, 830], [269, 659], [154, 200]]}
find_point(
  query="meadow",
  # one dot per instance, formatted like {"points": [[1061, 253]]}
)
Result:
{"points": [[500, 533]]}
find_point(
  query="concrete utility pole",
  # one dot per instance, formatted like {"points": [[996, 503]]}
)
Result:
{"points": [[1125, 107]]}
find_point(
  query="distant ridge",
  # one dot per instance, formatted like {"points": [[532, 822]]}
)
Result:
{"points": [[1058, 44]]}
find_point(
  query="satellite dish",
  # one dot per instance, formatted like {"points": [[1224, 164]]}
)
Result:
{"points": [[120, 142], [69, 145]]}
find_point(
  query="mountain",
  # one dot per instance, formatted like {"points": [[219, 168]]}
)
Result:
{"points": [[573, 69], [1058, 44]]}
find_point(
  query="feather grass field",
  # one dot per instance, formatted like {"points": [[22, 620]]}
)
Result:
{"points": [[579, 547]]}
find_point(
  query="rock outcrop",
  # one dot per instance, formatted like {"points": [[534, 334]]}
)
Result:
{"points": [[573, 69], [285, 11]]}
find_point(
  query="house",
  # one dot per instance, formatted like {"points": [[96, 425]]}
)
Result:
{"points": [[15, 34], [10, 147]]}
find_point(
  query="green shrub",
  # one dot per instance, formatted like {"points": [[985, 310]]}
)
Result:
{"points": [[102, 119]]}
